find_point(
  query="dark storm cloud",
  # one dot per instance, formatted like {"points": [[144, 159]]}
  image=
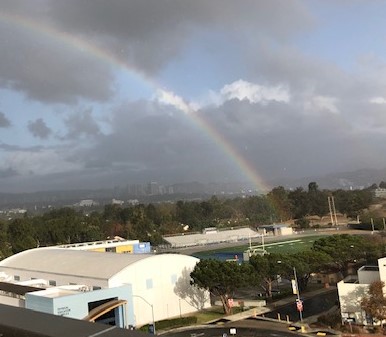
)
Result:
{"points": [[39, 128], [44, 58], [155, 31], [4, 121]]}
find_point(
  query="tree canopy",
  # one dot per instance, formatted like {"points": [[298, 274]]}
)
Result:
{"points": [[343, 249], [374, 304], [222, 278]]}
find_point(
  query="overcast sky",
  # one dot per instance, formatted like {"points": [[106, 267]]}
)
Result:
{"points": [[101, 93]]}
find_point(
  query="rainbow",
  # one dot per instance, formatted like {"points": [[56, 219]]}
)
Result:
{"points": [[102, 54]]}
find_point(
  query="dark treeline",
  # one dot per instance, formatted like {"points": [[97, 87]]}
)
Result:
{"points": [[150, 222]]}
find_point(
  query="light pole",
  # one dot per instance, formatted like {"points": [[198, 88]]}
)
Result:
{"points": [[299, 303], [152, 310]]}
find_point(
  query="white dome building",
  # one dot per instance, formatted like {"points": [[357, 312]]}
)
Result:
{"points": [[159, 282]]}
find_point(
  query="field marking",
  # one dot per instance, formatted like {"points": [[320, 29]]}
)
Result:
{"points": [[276, 244]]}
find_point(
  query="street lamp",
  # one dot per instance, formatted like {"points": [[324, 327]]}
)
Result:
{"points": [[152, 310]]}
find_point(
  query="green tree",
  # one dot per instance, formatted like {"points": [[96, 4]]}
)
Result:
{"points": [[303, 223], [313, 187], [21, 235], [374, 304], [268, 268], [259, 209], [300, 203], [5, 247], [306, 263], [279, 198], [343, 249], [352, 203], [222, 278]]}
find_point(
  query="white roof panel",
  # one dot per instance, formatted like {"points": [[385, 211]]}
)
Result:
{"points": [[72, 262]]}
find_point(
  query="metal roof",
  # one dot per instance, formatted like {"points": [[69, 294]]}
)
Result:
{"points": [[72, 262]]}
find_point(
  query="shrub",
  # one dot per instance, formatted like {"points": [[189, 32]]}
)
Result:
{"points": [[171, 323]]}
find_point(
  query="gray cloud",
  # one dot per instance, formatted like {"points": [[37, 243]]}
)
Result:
{"points": [[81, 124], [39, 128], [327, 122], [4, 121], [50, 56]]}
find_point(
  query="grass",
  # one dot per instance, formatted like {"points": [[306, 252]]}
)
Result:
{"points": [[209, 314], [280, 247]]}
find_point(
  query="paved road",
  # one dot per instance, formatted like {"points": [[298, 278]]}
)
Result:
{"points": [[240, 329], [312, 306]]}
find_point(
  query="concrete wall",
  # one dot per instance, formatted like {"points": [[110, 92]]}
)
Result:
{"points": [[13, 301], [367, 276]]}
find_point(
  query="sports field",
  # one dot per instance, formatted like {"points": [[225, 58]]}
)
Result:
{"points": [[293, 245]]}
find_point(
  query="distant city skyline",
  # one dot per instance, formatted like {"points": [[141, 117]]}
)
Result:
{"points": [[98, 94]]}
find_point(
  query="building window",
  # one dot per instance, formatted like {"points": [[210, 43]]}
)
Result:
{"points": [[174, 278], [149, 283], [96, 288], [16, 278], [52, 283]]}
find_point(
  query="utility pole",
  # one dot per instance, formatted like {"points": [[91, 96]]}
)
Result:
{"points": [[299, 302]]}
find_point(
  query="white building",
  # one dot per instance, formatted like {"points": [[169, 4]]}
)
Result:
{"points": [[160, 283], [352, 289], [211, 235], [275, 229], [380, 193]]}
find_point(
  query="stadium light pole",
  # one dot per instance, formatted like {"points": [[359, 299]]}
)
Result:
{"points": [[152, 310]]}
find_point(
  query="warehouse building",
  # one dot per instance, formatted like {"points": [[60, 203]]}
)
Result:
{"points": [[159, 283]]}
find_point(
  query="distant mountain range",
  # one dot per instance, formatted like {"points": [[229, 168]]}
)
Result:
{"points": [[345, 180], [186, 191]]}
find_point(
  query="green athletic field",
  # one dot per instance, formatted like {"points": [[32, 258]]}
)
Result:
{"points": [[293, 245]]}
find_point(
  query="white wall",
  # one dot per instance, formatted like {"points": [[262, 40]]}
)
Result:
{"points": [[382, 269], [157, 280], [350, 296], [286, 231]]}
